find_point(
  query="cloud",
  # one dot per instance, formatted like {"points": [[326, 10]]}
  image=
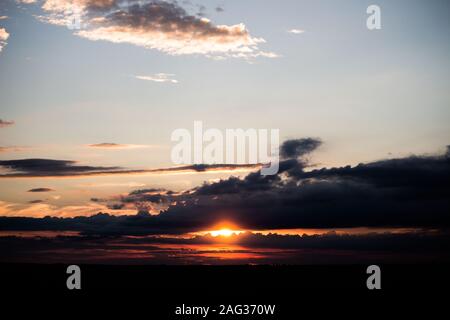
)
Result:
{"points": [[296, 31], [109, 145], [49, 167], [41, 210], [35, 201], [4, 123], [299, 147], [3, 17], [143, 200], [4, 35], [159, 77], [12, 149], [36, 168], [41, 190], [155, 24]]}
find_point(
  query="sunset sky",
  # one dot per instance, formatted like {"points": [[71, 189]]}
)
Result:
{"points": [[86, 117]]}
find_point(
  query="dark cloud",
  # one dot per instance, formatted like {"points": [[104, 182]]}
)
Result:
{"points": [[411, 241], [145, 191], [143, 197], [66, 168], [424, 174], [411, 192], [41, 190], [49, 167], [299, 147], [167, 17], [254, 182], [101, 223], [35, 201]]}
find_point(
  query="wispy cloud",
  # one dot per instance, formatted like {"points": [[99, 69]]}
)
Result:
{"points": [[4, 123], [112, 184], [159, 77], [38, 168], [3, 17], [12, 149], [41, 190], [35, 201], [296, 31], [41, 209], [110, 145]]}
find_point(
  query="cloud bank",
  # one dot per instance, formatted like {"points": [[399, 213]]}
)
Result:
{"points": [[252, 248], [409, 192]]}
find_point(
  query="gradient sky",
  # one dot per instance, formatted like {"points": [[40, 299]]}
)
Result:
{"points": [[353, 107], [367, 94]]}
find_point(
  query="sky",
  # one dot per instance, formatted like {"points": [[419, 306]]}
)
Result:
{"points": [[87, 116]]}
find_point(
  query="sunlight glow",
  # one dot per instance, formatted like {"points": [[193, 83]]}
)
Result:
{"points": [[225, 232]]}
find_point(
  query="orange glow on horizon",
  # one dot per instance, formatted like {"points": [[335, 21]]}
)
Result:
{"points": [[224, 229], [225, 232]]}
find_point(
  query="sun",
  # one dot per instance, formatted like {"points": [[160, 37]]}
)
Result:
{"points": [[224, 229], [224, 232]]}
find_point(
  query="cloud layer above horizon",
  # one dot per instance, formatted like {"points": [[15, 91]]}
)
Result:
{"points": [[409, 192]]}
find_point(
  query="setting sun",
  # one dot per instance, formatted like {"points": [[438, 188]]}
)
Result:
{"points": [[225, 232], [224, 229]]}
